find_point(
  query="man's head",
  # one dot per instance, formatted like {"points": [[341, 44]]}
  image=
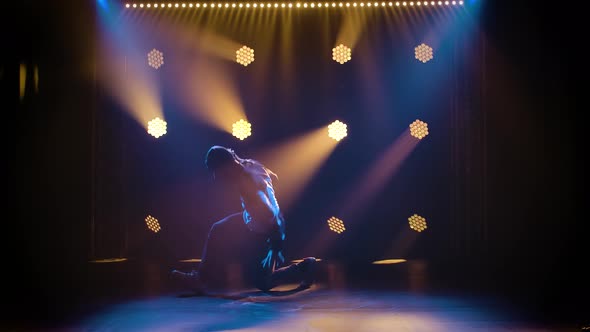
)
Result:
{"points": [[222, 162]]}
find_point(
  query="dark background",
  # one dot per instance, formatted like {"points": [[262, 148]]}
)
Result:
{"points": [[516, 222]]}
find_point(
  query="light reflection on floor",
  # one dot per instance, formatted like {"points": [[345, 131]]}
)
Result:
{"points": [[315, 309]]}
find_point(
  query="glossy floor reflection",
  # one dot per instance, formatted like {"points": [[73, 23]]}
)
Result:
{"points": [[315, 309], [139, 296]]}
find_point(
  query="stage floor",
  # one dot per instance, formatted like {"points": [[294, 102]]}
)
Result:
{"points": [[315, 309], [133, 297]]}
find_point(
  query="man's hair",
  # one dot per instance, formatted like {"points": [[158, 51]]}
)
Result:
{"points": [[220, 156]]}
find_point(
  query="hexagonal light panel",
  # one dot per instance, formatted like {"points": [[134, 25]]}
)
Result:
{"points": [[152, 224], [336, 225], [417, 223], [242, 129], [245, 56], [423, 53], [157, 127], [341, 54], [155, 58], [337, 130], [419, 129]]}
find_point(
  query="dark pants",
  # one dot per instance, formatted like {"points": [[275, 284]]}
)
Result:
{"points": [[233, 257]]}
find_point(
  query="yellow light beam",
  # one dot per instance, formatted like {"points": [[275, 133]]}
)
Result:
{"points": [[130, 83], [209, 93], [378, 174], [217, 45], [351, 28], [296, 161]]}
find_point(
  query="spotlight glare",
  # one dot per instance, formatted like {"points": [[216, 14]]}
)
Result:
{"points": [[404, 3], [336, 225], [127, 5], [305, 5], [312, 5], [354, 4], [419, 129], [149, 5], [440, 3], [134, 6], [423, 53], [241, 5], [333, 4], [152, 224], [417, 223], [276, 5], [454, 3], [461, 3], [340, 4], [348, 4], [290, 5], [155, 5], [233, 5], [383, 4], [446, 3], [175, 5], [411, 3], [242, 129], [245, 56], [320, 4], [301, 260], [226, 5], [298, 5], [397, 4], [141, 5], [369, 4], [247, 5], [169, 5], [183, 5], [390, 4], [337, 130], [282, 5], [255, 5], [341, 54], [155, 58], [389, 261], [157, 127]]}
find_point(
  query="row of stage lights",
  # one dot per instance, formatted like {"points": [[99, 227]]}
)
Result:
{"points": [[242, 129], [336, 225], [340, 54], [297, 4]]}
